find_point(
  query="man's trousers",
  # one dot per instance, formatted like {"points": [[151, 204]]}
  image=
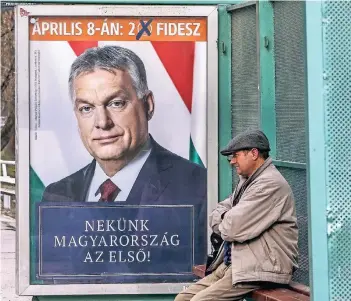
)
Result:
{"points": [[217, 286]]}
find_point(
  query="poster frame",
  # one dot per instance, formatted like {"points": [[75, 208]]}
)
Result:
{"points": [[23, 259]]}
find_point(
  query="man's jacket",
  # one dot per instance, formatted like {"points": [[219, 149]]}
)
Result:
{"points": [[262, 227]]}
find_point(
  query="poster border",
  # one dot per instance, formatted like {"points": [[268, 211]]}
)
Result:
{"points": [[48, 276], [23, 260]]}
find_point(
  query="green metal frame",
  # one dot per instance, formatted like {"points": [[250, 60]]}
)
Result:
{"points": [[267, 72], [225, 177], [289, 164], [317, 195]]}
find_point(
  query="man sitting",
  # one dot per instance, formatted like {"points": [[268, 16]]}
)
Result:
{"points": [[257, 223]]}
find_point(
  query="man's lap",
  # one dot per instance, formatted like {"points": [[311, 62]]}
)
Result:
{"points": [[216, 286]]}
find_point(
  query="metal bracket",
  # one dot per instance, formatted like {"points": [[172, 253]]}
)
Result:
{"points": [[266, 42], [224, 47]]}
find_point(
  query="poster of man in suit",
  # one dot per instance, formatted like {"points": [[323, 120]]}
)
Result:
{"points": [[118, 143]]}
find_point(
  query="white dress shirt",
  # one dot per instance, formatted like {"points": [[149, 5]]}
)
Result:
{"points": [[124, 179]]}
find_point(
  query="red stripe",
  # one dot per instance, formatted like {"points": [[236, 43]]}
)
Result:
{"points": [[178, 60], [80, 46]]}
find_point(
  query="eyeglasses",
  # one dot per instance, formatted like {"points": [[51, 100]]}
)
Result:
{"points": [[230, 157]]}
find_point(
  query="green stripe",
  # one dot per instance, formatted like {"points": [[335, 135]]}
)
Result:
{"points": [[193, 155], [36, 192]]}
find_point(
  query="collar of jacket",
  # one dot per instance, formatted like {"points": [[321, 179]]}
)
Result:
{"points": [[257, 172]]}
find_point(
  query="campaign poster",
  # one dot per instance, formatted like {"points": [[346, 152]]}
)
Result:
{"points": [[118, 148]]}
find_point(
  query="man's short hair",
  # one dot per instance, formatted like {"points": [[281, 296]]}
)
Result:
{"points": [[264, 154], [110, 58]]}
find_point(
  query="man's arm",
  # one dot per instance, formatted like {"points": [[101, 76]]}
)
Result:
{"points": [[257, 210], [215, 217]]}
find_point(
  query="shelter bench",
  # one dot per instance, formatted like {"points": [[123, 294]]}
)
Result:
{"points": [[292, 292]]}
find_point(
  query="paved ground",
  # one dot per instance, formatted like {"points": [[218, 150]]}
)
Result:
{"points": [[8, 257]]}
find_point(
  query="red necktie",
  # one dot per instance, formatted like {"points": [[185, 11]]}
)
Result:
{"points": [[108, 191]]}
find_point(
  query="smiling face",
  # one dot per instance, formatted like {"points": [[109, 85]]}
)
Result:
{"points": [[112, 121]]}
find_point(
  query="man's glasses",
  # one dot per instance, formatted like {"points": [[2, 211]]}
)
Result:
{"points": [[230, 157]]}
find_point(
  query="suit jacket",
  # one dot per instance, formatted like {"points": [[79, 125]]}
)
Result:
{"points": [[165, 179]]}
